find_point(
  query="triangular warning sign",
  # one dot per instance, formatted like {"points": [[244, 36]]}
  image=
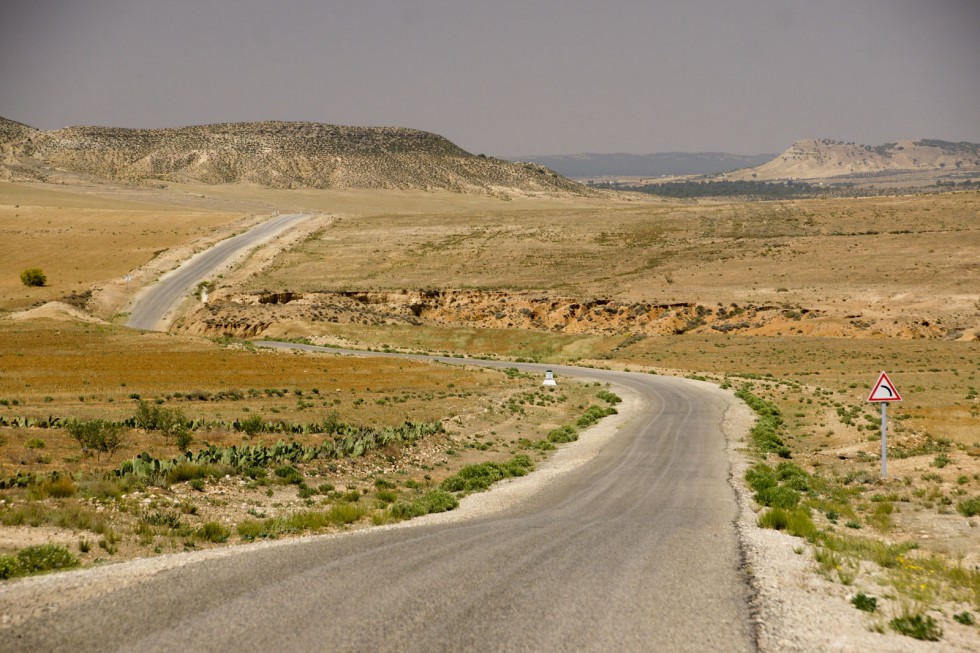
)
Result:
{"points": [[884, 390]]}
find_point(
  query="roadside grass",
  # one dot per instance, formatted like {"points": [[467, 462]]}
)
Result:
{"points": [[919, 582], [36, 559]]}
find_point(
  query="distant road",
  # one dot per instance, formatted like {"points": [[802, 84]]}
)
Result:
{"points": [[634, 551], [152, 305]]}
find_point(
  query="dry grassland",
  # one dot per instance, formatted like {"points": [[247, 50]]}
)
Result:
{"points": [[90, 371], [93, 371], [907, 260], [80, 240], [882, 257]]}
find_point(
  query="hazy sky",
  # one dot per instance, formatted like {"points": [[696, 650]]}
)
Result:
{"points": [[507, 77]]}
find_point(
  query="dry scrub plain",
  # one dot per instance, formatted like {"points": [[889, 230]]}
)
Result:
{"points": [[234, 395], [834, 291]]}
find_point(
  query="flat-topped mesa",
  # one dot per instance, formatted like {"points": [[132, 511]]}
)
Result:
{"points": [[280, 155]]}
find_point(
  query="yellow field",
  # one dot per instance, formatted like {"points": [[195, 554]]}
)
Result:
{"points": [[80, 240], [887, 257]]}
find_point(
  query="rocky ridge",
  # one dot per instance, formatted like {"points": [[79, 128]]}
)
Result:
{"points": [[274, 154], [824, 159]]}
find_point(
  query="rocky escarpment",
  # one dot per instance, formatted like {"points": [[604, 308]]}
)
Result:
{"points": [[274, 154], [251, 315]]}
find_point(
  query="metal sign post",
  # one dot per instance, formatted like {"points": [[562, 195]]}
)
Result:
{"points": [[884, 391]]}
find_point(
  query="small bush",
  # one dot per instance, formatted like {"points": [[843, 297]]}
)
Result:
{"points": [[289, 474], [213, 532], [251, 529], [917, 626], [252, 425], [33, 277], [386, 496], [434, 501], [44, 557], [778, 497], [796, 522], [9, 567], [593, 414], [862, 601], [96, 436], [969, 508], [563, 434], [964, 618], [60, 488], [476, 478], [35, 443], [610, 398]]}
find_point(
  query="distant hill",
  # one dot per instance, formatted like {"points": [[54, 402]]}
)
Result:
{"points": [[828, 159], [275, 154], [590, 166]]}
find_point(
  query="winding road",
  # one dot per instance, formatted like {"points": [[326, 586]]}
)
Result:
{"points": [[149, 310], [634, 551]]}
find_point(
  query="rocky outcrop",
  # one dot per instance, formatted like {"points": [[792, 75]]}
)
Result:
{"points": [[274, 154]]}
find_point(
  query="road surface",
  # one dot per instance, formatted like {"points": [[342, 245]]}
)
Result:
{"points": [[150, 308], [634, 551]]}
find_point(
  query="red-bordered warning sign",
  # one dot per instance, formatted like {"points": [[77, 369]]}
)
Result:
{"points": [[884, 390]]}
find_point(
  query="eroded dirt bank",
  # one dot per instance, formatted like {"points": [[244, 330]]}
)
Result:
{"points": [[250, 315]]}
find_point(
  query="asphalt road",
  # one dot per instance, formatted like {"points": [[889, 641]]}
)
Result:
{"points": [[152, 305], [634, 551]]}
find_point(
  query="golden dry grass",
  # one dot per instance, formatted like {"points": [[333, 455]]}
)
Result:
{"points": [[895, 256], [92, 371], [79, 240]]}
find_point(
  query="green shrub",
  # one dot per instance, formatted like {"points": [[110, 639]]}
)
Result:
{"points": [[289, 474], [863, 602], [761, 477], [9, 567], [251, 425], [33, 277], [45, 557], [964, 618], [35, 443], [182, 472], [778, 497], [344, 513], [796, 522], [169, 421], [593, 414], [433, 501], [917, 626], [386, 496], [609, 397], [476, 478], [563, 434], [250, 529], [765, 433], [96, 436], [213, 532], [969, 508]]}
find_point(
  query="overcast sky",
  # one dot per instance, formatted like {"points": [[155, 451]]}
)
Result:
{"points": [[507, 77]]}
